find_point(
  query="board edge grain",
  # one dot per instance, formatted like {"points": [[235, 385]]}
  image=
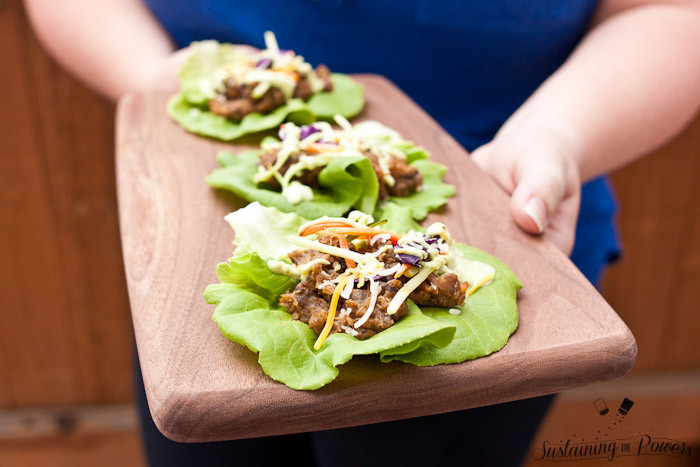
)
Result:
{"points": [[613, 357]]}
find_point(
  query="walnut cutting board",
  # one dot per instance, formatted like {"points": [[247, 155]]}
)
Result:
{"points": [[202, 387]]}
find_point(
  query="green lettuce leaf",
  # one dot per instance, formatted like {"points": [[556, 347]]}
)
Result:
{"points": [[285, 345], [250, 272], [195, 116], [198, 119], [203, 67], [488, 318], [247, 224], [433, 194], [346, 183], [204, 70], [414, 153], [247, 310], [346, 98], [399, 218]]}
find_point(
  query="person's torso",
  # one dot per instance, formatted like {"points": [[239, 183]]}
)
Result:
{"points": [[470, 64]]}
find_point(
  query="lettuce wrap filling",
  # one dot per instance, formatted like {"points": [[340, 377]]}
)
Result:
{"points": [[307, 296], [316, 170], [227, 92]]}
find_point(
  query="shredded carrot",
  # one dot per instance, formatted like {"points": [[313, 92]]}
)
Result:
{"points": [[312, 229], [341, 228], [404, 267], [362, 232], [331, 312], [344, 245], [317, 148], [288, 69]]}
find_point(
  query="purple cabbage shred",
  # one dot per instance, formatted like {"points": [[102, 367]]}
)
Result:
{"points": [[308, 130], [408, 259], [264, 63]]}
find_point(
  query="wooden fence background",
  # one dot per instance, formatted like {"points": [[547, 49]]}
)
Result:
{"points": [[65, 330]]}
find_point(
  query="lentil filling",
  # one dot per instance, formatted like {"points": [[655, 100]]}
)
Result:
{"points": [[310, 300]]}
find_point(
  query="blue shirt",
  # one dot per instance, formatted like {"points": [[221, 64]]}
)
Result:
{"points": [[470, 64]]}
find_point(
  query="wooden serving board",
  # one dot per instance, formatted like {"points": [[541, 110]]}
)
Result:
{"points": [[202, 387]]}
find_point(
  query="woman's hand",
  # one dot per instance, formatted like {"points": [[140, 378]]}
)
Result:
{"points": [[543, 181], [163, 75], [630, 85]]}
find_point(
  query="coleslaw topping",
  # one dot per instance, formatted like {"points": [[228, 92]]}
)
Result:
{"points": [[318, 144], [270, 67], [415, 255]]}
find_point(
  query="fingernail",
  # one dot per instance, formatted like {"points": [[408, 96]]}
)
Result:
{"points": [[535, 209]]}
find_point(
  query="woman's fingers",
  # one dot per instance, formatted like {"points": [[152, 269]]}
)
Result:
{"points": [[547, 196], [562, 225], [539, 188], [164, 75], [544, 187]]}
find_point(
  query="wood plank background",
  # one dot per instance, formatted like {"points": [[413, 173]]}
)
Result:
{"points": [[66, 336], [655, 288]]}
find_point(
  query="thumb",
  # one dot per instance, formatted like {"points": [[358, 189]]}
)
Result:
{"points": [[540, 186]]}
